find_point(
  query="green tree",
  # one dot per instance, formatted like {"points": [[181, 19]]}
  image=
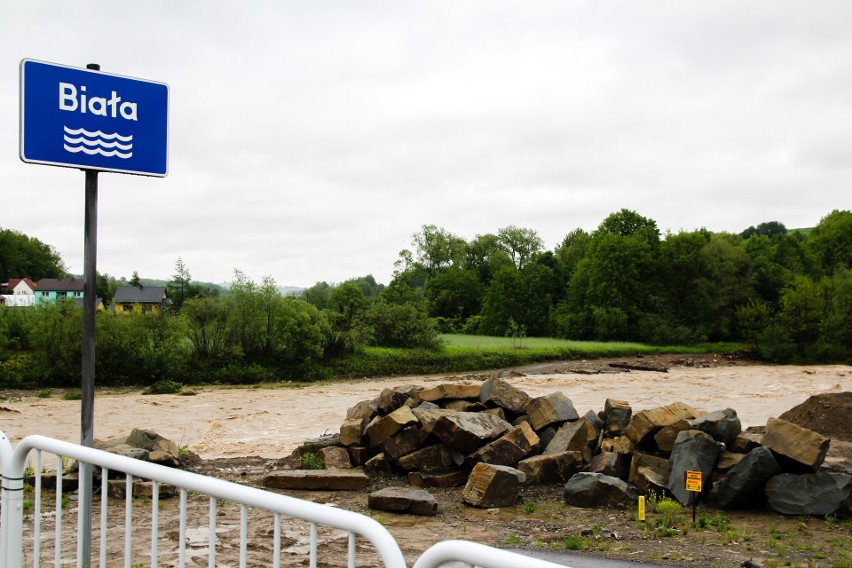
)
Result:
{"points": [[180, 286], [520, 243], [454, 295], [436, 248], [831, 241], [27, 257], [400, 325], [135, 280]]}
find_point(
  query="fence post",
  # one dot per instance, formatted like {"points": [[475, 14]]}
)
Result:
{"points": [[11, 533]]}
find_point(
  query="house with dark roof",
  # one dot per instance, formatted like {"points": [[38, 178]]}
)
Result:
{"points": [[53, 289], [129, 299]]}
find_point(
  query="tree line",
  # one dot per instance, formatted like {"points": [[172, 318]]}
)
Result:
{"points": [[787, 293]]}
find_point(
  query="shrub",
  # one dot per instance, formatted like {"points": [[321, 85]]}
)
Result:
{"points": [[312, 461]]}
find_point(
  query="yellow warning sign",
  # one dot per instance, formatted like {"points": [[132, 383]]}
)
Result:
{"points": [[693, 481]]}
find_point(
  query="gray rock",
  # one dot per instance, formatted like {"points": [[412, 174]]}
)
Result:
{"points": [[551, 468], [572, 436], [498, 392], [693, 451], [550, 409], [403, 500], [617, 414], [722, 425], [317, 479], [466, 431], [744, 483], [823, 493], [595, 490]]}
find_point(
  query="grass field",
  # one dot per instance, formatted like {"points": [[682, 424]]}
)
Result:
{"points": [[464, 353]]}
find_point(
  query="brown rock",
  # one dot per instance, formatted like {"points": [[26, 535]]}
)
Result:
{"points": [[619, 445], [464, 405], [391, 399], [645, 423], [451, 390], [656, 463], [383, 428], [493, 486], [379, 463], [317, 479], [335, 457], [365, 409], [352, 431], [551, 468], [146, 489], [666, 437], [743, 445], [444, 477], [550, 409], [431, 456], [358, 455], [799, 445], [508, 449], [727, 460], [610, 464], [402, 443]]}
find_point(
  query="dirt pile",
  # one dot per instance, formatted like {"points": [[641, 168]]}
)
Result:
{"points": [[826, 413]]}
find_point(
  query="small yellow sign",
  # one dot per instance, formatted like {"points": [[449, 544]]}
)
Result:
{"points": [[693, 481], [641, 507]]}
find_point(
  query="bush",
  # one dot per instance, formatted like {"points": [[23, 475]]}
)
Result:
{"points": [[312, 461], [164, 386]]}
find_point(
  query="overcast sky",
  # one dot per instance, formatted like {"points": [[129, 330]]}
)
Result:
{"points": [[309, 140]]}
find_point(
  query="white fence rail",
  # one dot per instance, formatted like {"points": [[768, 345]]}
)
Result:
{"points": [[13, 553]]}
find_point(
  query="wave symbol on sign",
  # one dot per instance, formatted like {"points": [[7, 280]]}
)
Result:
{"points": [[105, 144]]}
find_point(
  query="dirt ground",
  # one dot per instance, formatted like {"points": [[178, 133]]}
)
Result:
{"points": [[241, 433]]}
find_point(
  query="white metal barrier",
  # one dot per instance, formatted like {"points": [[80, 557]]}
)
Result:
{"points": [[12, 553]]}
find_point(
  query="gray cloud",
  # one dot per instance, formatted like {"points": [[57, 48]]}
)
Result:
{"points": [[310, 140]]}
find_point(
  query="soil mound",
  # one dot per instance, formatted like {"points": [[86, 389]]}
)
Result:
{"points": [[826, 413]]}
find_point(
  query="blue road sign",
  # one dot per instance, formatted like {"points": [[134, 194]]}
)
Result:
{"points": [[81, 118]]}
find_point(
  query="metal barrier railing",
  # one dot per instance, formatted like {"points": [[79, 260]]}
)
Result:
{"points": [[13, 462], [12, 554]]}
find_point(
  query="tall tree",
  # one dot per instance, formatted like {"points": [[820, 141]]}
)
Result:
{"points": [[180, 285], [520, 243], [27, 257]]}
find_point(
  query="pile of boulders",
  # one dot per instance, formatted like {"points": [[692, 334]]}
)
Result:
{"points": [[492, 438]]}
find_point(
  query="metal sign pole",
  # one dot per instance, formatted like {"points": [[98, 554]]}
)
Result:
{"points": [[87, 411]]}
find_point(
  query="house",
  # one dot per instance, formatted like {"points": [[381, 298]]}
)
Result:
{"points": [[99, 304], [52, 289], [144, 299], [18, 292], [19, 287]]}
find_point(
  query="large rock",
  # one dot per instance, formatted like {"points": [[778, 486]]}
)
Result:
{"points": [[508, 449], [550, 409], [551, 468], [352, 431], [498, 392], [693, 451], [493, 486], [160, 450], [403, 500], [645, 423], [451, 391], [391, 399], [571, 436], [723, 425], [443, 477], [799, 449], [744, 483], [383, 428], [436, 455], [595, 490], [461, 405], [610, 464], [823, 493], [335, 457], [402, 443], [467, 431], [317, 479], [617, 415], [648, 471], [665, 438]]}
